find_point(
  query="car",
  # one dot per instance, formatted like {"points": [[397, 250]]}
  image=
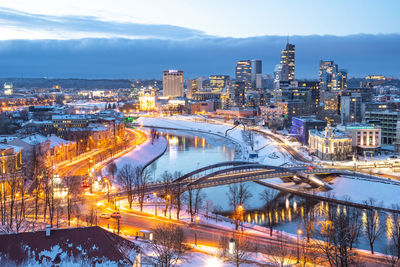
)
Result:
{"points": [[105, 216], [115, 215], [84, 185]]}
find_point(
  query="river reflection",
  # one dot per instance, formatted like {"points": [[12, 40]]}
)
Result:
{"points": [[188, 151], [288, 212]]}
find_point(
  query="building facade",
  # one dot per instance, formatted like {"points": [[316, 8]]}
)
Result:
{"points": [[366, 138], [256, 73], [288, 61], [330, 144], [301, 126], [173, 83], [243, 73]]}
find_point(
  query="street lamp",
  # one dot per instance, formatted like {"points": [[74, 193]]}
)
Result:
{"points": [[155, 206], [108, 189], [197, 220], [169, 200], [299, 233], [240, 211]]}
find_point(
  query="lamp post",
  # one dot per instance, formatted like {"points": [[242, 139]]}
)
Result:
{"points": [[240, 210], [299, 233], [108, 189], [197, 220], [155, 206], [169, 200]]}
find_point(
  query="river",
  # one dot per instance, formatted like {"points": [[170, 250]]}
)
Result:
{"points": [[188, 151]]}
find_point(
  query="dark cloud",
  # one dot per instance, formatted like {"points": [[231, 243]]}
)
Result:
{"points": [[125, 58], [87, 24]]}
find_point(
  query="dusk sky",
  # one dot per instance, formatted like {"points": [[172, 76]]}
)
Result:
{"points": [[201, 27]]}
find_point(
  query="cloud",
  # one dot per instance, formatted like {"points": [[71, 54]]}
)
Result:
{"points": [[146, 58], [69, 27]]}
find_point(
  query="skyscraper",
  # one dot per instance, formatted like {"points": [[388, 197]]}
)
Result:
{"points": [[256, 72], [243, 73], [330, 77], [173, 83], [218, 82], [239, 94], [326, 69], [287, 61]]}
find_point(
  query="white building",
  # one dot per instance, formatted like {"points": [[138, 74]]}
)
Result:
{"points": [[366, 138], [330, 144]]}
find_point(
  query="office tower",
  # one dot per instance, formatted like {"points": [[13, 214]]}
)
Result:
{"points": [[195, 88], [326, 70], [287, 61], [243, 73], [239, 91], [173, 83], [256, 72], [280, 72], [339, 80], [189, 91], [350, 107], [200, 83], [218, 82]]}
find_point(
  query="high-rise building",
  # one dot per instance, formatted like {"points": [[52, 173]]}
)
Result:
{"points": [[218, 82], [287, 61], [326, 69], [173, 83], [243, 73], [330, 77], [239, 94], [256, 73], [339, 80], [189, 90]]}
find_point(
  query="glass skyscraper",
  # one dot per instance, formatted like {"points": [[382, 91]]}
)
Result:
{"points": [[287, 61]]}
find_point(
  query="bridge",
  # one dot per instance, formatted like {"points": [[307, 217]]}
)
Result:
{"points": [[241, 171]]}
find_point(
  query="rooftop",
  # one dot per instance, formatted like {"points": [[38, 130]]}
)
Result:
{"points": [[92, 245]]}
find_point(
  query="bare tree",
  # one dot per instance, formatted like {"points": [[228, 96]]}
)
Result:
{"points": [[242, 252], [168, 245], [372, 227], [127, 176], [112, 169], [142, 178], [334, 240], [167, 189], [238, 195], [72, 184], [393, 246], [269, 208], [177, 195], [279, 252], [308, 218], [194, 199]]}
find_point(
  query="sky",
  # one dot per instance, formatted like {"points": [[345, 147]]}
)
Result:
{"points": [[35, 33], [222, 18]]}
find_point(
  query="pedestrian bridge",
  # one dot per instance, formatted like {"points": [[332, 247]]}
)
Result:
{"points": [[240, 171]]}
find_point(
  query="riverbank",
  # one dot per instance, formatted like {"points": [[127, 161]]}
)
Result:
{"points": [[142, 155], [256, 147]]}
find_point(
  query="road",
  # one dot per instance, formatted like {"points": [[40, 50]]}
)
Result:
{"points": [[81, 166]]}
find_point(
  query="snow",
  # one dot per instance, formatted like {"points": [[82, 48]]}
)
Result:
{"points": [[352, 189], [143, 154], [361, 190]]}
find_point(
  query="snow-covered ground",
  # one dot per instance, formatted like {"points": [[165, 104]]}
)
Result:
{"points": [[143, 154], [355, 190]]}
